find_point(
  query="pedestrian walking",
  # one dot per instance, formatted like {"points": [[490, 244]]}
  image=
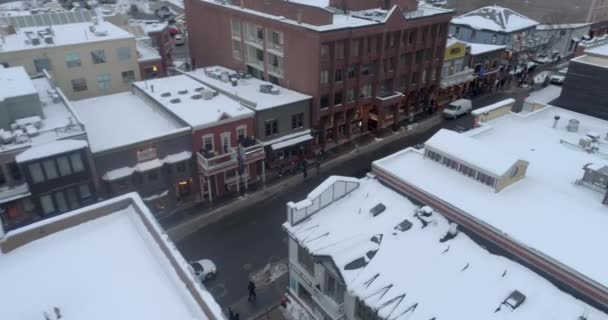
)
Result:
{"points": [[251, 288], [318, 164], [305, 168], [237, 316], [230, 314]]}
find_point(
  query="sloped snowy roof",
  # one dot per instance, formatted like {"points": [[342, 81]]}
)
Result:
{"points": [[63, 35], [123, 119], [480, 155], [247, 89], [191, 108], [115, 265], [599, 50], [546, 211], [413, 275], [495, 18]]}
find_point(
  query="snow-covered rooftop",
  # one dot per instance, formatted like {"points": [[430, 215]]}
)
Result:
{"points": [[597, 58], [63, 35], [57, 122], [561, 26], [479, 48], [495, 18], [313, 3], [599, 50], [247, 90], [51, 148], [473, 152], [123, 119], [15, 82], [412, 275], [546, 211], [110, 260], [340, 20], [146, 52], [185, 97], [149, 26]]}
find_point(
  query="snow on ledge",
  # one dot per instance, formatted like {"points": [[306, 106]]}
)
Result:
{"points": [[50, 149]]}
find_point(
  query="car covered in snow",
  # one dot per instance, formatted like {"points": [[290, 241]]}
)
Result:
{"points": [[204, 269]]}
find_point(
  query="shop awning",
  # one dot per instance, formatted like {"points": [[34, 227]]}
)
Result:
{"points": [[291, 142]]}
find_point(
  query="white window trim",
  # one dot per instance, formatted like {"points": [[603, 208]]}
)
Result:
{"points": [[236, 131], [224, 135], [209, 135]]}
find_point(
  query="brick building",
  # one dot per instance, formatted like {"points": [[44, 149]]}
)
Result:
{"points": [[365, 67]]}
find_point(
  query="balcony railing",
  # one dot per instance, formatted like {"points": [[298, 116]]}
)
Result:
{"points": [[335, 310], [211, 162]]}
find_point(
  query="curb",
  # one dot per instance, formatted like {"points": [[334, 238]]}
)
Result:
{"points": [[182, 230]]}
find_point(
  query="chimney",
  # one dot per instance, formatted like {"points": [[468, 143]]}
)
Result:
{"points": [[556, 120], [300, 14]]}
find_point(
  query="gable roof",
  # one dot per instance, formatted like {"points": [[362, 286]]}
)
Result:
{"points": [[495, 18]]}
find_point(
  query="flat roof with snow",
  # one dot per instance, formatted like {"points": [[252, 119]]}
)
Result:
{"points": [[63, 35], [411, 274], [546, 210], [495, 18], [123, 119], [247, 90], [58, 120], [185, 97], [110, 260], [479, 48]]}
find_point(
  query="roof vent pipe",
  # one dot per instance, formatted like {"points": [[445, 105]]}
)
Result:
{"points": [[555, 121]]}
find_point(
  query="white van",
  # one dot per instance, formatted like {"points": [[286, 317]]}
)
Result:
{"points": [[457, 108]]}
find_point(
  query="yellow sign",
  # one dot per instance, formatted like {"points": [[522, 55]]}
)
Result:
{"points": [[455, 50]]}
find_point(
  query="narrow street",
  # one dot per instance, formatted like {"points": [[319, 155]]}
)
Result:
{"points": [[253, 238]]}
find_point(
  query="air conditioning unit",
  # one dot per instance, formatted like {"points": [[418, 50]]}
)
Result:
{"points": [[266, 88], [207, 94], [275, 91]]}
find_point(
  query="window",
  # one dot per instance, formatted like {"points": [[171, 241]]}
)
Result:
{"points": [[305, 259], [333, 288], [128, 76], [338, 98], [42, 64], [241, 132], [271, 127], [423, 78], [208, 143], [415, 77], [418, 57], [276, 38], [236, 27], [354, 48], [324, 77], [324, 50], [72, 60], [366, 91], [450, 163], [14, 171], [50, 169], [98, 56], [339, 50], [338, 75], [297, 121], [434, 155], [259, 55], [72, 198], [76, 160], [104, 81], [85, 191], [392, 64], [123, 53], [79, 84], [36, 172], [412, 35], [467, 171], [46, 202], [62, 205], [260, 33], [236, 49], [64, 166], [324, 101], [352, 71], [2, 177], [457, 30], [153, 175], [350, 95], [366, 69]]}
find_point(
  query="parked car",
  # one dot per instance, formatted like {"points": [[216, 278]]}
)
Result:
{"points": [[178, 39], [173, 30], [557, 79], [204, 269], [457, 108]]}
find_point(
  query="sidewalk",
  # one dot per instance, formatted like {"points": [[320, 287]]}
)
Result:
{"points": [[210, 215]]}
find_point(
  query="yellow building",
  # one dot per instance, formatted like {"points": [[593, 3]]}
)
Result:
{"points": [[455, 74], [85, 59]]}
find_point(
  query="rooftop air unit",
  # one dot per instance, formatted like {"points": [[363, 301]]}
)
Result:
{"points": [[573, 125], [266, 88], [207, 94]]}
